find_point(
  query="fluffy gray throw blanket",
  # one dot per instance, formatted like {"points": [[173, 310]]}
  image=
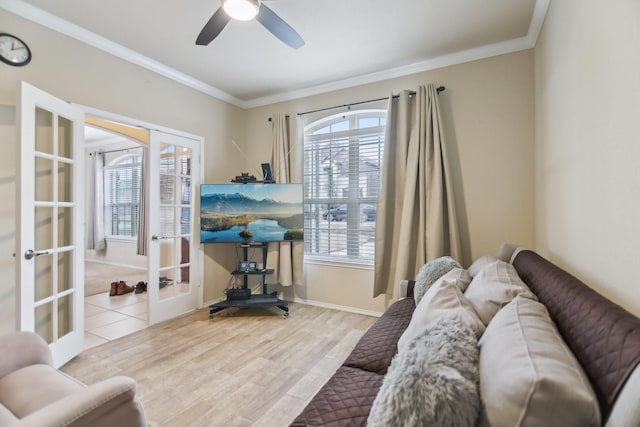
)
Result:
{"points": [[430, 272], [434, 382]]}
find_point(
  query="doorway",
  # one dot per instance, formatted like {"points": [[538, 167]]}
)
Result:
{"points": [[154, 260], [117, 160], [50, 219]]}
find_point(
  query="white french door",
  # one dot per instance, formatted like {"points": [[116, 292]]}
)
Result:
{"points": [[49, 241], [174, 174]]}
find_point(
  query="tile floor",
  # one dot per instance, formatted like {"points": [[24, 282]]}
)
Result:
{"points": [[107, 318]]}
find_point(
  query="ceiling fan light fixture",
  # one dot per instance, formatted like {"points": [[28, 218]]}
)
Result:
{"points": [[242, 10]]}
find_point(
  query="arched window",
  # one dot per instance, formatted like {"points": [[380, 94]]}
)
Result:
{"points": [[342, 160], [122, 195]]}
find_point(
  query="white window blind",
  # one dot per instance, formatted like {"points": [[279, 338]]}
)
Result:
{"points": [[342, 159], [175, 190], [122, 196]]}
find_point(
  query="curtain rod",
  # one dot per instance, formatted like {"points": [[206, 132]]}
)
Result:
{"points": [[115, 151], [271, 119], [438, 90]]}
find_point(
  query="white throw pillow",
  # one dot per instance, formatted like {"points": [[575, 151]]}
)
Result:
{"points": [[481, 263], [430, 272], [493, 287], [444, 299], [528, 375]]}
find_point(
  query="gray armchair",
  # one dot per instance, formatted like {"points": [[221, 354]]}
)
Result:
{"points": [[34, 393]]}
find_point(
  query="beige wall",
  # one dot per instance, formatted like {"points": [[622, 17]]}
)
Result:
{"points": [[487, 109], [587, 90], [118, 252], [7, 216]]}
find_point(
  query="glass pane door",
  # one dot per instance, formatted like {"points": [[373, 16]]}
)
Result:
{"points": [[175, 220], [50, 222], [174, 173]]}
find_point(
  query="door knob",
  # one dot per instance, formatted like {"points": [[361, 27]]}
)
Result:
{"points": [[155, 237], [30, 253]]}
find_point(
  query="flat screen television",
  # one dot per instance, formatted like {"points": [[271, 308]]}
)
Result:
{"points": [[252, 212]]}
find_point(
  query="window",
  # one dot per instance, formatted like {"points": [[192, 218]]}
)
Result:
{"points": [[122, 196], [342, 159]]}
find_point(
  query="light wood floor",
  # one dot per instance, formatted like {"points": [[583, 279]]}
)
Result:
{"points": [[250, 367]]}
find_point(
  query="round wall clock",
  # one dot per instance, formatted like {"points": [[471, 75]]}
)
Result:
{"points": [[14, 51]]}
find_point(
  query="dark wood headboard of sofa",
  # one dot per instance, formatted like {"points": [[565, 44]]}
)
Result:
{"points": [[604, 337]]}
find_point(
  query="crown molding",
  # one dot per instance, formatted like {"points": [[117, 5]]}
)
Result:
{"points": [[46, 19], [32, 13], [482, 52], [537, 20]]}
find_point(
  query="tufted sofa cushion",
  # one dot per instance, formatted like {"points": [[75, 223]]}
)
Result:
{"points": [[345, 400], [378, 345], [400, 309], [603, 336]]}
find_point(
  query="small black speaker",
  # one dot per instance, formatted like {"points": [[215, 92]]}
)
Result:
{"points": [[266, 171]]}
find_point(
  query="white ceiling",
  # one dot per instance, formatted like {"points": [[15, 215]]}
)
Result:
{"points": [[348, 42]]}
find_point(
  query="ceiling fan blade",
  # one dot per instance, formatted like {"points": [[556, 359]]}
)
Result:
{"points": [[216, 24], [278, 27]]}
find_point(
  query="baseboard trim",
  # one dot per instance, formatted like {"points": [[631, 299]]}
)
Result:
{"points": [[115, 264], [316, 304], [334, 306]]}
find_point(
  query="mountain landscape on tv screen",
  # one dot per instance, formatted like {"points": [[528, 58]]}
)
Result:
{"points": [[239, 217], [241, 203]]}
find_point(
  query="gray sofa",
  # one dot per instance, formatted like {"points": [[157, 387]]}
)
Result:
{"points": [[602, 337], [34, 393]]}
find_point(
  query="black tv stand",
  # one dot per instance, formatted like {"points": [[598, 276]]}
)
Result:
{"points": [[243, 298]]}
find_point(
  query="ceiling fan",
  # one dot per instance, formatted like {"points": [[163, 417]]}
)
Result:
{"points": [[245, 10]]}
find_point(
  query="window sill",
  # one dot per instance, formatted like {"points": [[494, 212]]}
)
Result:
{"points": [[333, 262], [121, 239]]}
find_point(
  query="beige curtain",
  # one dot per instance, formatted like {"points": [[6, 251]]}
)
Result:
{"points": [[416, 217], [284, 257], [143, 214], [96, 235]]}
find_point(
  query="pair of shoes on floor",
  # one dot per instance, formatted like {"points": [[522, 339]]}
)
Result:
{"points": [[120, 288], [141, 287], [164, 281]]}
